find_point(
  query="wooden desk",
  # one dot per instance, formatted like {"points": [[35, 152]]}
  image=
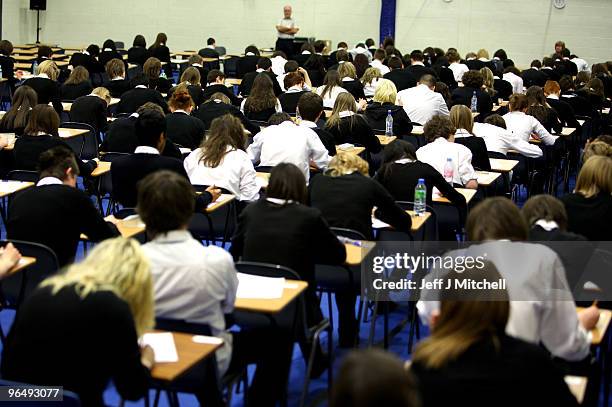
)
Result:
{"points": [[232, 82], [605, 111], [57, 57], [475, 115], [602, 326], [128, 227], [501, 165], [352, 150], [103, 167], [577, 386], [70, 133], [66, 106], [23, 263], [179, 61], [355, 253], [23, 66], [62, 64], [223, 200], [486, 178], [184, 53], [417, 130], [566, 131], [417, 221], [25, 46], [210, 60], [189, 353], [114, 101], [467, 193], [292, 289], [21, 51], [24, 58], [10, 187], [384, 140], [495, 108]]}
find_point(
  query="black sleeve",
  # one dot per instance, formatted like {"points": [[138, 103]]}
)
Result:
{"points": [[92, 223], [556, 124], [482, 151], [237, 246], [160, 101], [486, 104], [171, 150], [230, 94], [56, 99], [388, 211], [202, 201], [402, 126], [102, 122], [327, 248], [371, 142], [250, 126]]}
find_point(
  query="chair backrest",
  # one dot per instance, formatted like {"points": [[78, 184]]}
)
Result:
{"points": [[22, 175], [348, 233], [180, 325], [46, 265], [119, 44], [106, 183], [70, 399], [85, 145], [266, 270]]}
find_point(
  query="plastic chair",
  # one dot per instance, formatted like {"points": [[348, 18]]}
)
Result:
{"points": [[105, 184], [86, 145]]}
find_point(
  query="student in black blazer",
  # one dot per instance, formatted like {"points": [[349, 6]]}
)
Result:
{"points": [[18, 116], [417, 68], [92, 109], [40, 135], [462, 120], [398, 75], [66, 213], [76, 85], [263, 65], [315, 67], [533, 75], [99, 304], [547, 219], [219, 105], [7, 63], [294, 85], [127, 171], [470, 360], [88, 59], [160, 51], [247, 63], [139, 53], [191, 80], [153, 76], [215, 82], [564, 110], [305, 52], [350, 82], [109, 52], [346, 197], [121, 135], [539, 108], [46, 86], [116, 83], [196, 61], [209, 51], [384, 101], [472, 82], [141, 94], [182, 128], [502, 87]]}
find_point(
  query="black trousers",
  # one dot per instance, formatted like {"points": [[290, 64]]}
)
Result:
{"points": [[285, 45]]}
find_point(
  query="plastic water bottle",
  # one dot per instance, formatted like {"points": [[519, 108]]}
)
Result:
{"points": [[449, 170], [474, 103], [163, 75], [389, 124], [420, 196], [34, 67], [1, 72]]}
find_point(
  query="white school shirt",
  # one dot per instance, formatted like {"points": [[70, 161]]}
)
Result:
{"points": [[581, 64], [376, 63], [458, 70], [369, 89], [438, 151], [515, 80], [330, 97], [523, 126], [422, 103], [194, 283], [359, 50], [288, 143], [278, 65], [501, 140], [235, 173], [542, 309], [278, 106], [289, 23], [49, 181]]}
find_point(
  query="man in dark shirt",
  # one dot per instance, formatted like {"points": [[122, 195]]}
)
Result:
{"points": [[67, 212]]}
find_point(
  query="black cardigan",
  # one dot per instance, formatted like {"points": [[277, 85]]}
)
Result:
{"points": [[138, 55], [117, 87], [347, 202], [133, 99], [209, 111], [75, 91], [480, 156], [376, 114], [356, 130], [56, 215], [90, 109], [185, 130], [355, 88], [78, 343], [589, 217], [47, 91]]}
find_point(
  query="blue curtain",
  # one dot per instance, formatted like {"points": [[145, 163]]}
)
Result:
{"points": [[387, 19]]}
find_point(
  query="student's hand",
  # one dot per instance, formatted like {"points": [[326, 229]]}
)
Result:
{"points": [[9, 257], [361, 104], [19, 74], [147, 357], [3, 142], [472, 184], [214, 191], [535, 136], [588, 317]]}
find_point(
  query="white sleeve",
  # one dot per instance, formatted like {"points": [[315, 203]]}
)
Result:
{"points": [[224, 282], [547, 138], [442, 107], [523, 147], [242, 105], [466, 170], [318, 153], [191, 162], [254, 150], [279, 107], [249, 190]]}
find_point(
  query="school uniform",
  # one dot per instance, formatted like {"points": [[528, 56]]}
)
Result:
{"points": [[234, 173], [545, 230], [480, 158], [564, 110], [74, 91], [589, 217], [213, 88], [329, 99], [53, 335], [58, 223], [523, 126], [107, 54], [421, 103], [208, 52], [492, 372], [533, 77], [134, 98], [261, 115], [87, 61], [92, 110], [418, 69], [551, 74], [289, 99], [325, 136], [162, 52], [354, 87], [500, 140], [48, 91], [210, 110], [117, 86], [355, 129], [503, 88], [8, 68], [401, 78], [246, 64], [458, 70], [195, 91], [463, 96], [288, 143], [138, 55], [547, 117], [516, 81], [376, 63], [184, 129], [249, 78], [446, 76], [377, 112], [438, 151], [203, 71], [369, 89], [302, 58]]}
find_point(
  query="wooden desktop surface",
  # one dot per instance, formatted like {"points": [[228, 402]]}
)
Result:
{"points": [[10, 187], [466, 192], [501, 165], [602, 326], [292, 289]]}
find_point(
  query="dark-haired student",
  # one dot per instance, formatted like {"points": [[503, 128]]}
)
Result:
{"points": [[398, 75], [215, 82], [183, 270], [219, 105], [67, 211], [417, 68], [346, 197], [44, 53], [294, 85], [17, 117], [547, 219], [541, 110], [121, 135], [373, 378], [46, 86], [382, 103], [7, 63], [263, 65], [209, 51], [150, 129], [533, 75], [261, 103], [310, 109], [76, 85], [88, 59], [117, 84], [471, 357], [141, 94], [109, 52], [190, 78], [92, 109], [182, 128], [248, 62], [139, 53], [40, 135], [463, 121], [472, 84], [152, 70], [160, 51]]}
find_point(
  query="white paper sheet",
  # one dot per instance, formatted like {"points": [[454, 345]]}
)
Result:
{"points": [[222, 198], [163, 345], [257, 287], [379, 224]]}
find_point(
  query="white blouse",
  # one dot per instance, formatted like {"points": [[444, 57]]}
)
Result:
{"points": [[330, 97]]}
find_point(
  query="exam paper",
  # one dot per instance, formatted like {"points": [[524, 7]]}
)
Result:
{"points": [[257, 287], [163, 345]]}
